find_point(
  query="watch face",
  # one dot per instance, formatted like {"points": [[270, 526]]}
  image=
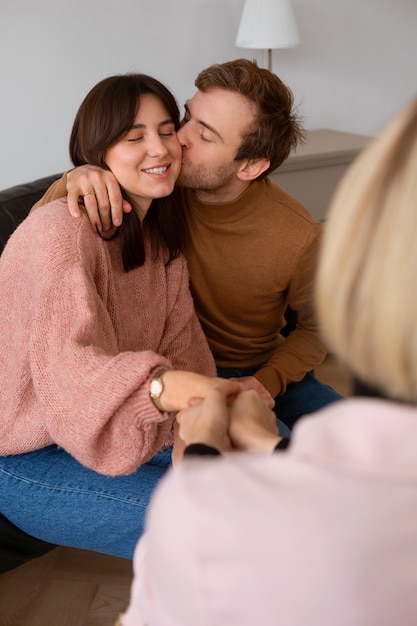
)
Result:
{"points": [[156, 388]]}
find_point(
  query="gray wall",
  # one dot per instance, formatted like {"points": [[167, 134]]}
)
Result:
{"points": [[354, 68]]}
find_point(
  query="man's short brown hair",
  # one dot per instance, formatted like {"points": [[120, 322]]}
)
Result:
{"points": [[277, 128]]}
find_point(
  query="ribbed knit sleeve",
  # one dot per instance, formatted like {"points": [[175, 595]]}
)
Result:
{"points": [[80, 340], [303, 348]]}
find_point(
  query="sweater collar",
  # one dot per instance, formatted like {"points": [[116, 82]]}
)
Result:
{"points": [[225, 212]]}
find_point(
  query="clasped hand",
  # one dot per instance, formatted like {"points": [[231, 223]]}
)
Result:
{"points": [[241, 422]]}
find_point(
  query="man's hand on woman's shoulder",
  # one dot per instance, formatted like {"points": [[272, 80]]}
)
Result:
{"points": [[101, 194]]}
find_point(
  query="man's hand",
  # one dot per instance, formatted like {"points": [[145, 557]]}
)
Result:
{"points": [[252, 425], [250, 382], [101, 194]]}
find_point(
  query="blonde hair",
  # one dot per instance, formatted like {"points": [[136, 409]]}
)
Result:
{"points": [[367, 276]]}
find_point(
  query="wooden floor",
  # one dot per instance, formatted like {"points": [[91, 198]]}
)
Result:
{"points": [[69, 587], [66, 587]]}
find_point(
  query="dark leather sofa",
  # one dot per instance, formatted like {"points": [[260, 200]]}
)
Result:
{"points": [[16, 202], [16, 546]]}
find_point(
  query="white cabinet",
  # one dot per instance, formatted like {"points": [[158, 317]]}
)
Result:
{"points": [[312, 172]]}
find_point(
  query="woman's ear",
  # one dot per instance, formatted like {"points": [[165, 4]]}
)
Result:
{"points": [[253, 168]]}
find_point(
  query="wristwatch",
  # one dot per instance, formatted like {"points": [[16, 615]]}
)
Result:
{"points": [[156, 388]]}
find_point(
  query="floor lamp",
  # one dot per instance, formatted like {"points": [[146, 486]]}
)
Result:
{"points": [[267, 24]]}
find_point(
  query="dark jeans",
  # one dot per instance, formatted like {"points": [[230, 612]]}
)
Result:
{"points": [[306, 396]]}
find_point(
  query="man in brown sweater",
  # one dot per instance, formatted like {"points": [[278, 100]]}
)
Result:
{"points": [[253, 248]]}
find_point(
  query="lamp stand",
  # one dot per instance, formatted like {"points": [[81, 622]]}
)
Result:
{"points": [[270, 59]]}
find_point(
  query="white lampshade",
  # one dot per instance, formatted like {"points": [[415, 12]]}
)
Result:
{"points": [[267, 24]]}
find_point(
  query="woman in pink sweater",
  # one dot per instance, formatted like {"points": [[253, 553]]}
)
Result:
{"points": [[99, 342], [325, 532]]}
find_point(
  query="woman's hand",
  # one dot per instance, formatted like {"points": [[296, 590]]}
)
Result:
{"points": [[206, 422], [101, 193], [182, 389], [252, 426], [243, 422], [178, 446]]}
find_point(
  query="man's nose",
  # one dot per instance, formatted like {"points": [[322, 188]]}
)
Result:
{"points": [[182, 135]]}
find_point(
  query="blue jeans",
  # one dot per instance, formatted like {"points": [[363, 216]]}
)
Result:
{"points": [[48, 494], [306, 396]]}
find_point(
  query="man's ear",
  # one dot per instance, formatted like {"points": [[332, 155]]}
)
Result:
{"points": [[252, 169]]}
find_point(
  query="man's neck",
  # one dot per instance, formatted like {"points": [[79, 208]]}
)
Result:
{"points": [[221, 195]]}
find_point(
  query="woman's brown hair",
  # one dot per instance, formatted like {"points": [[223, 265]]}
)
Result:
{"points": [[105, 115]]}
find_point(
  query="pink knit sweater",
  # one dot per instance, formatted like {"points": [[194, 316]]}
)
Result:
{"points": [[80, 339]]}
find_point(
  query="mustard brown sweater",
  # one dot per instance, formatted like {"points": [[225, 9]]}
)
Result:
{"points": [[248, 259]]}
